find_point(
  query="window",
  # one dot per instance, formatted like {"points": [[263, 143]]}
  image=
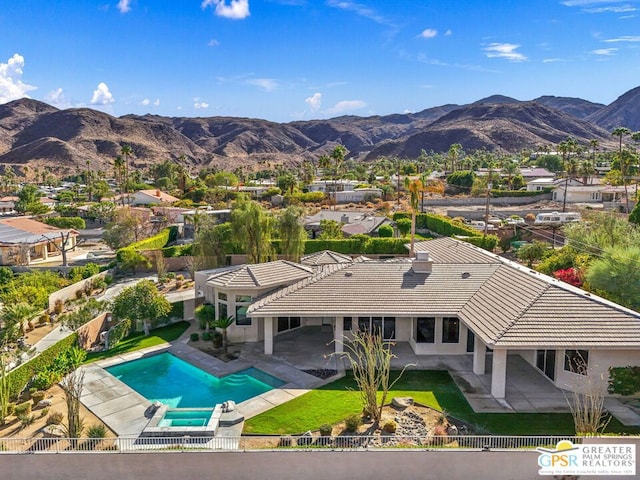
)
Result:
{"points": [[546, 362], [450, 330], [222, 296], [426, 330], [347, 324], [378, 325], [242, 305], [576, 361], [222, 310], [288, 323]]}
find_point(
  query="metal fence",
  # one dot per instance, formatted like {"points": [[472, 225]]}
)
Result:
{"points": [[293, 443]]}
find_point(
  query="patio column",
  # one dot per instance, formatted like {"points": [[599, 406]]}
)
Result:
{"points": [[268, 335], [338, 336], [499, 373], [479, 355]]}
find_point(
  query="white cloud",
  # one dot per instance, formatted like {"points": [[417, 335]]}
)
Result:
{"points": [[624, 38], [236, 9], [200, 105], [505, 50], [361, 10], [582, 3], [429, 33], [213, 43], [314, 102], [551, 60], [266, 84], [605, 51], [57, 98], [145, 102], [156, 103], [11, 85], [611, 9], [448, 33], [124, 6], [345, 106], [102, 95]]}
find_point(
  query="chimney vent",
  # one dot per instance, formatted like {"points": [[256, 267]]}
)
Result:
{"points": [[422, 263]]}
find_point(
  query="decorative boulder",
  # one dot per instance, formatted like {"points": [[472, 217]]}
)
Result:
{"points": [[452, 430], [45, 402], [402, 402]]}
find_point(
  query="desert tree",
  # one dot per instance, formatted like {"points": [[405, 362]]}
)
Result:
{"points": [[252, 228], [415, 188], [616, 275], [72, 386], [622, 132], [370, 359], [292, 233]]}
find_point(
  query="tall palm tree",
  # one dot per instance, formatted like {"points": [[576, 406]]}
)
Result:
{"points": [[566, 148], [414, 187], [510, 168], [621, 132], [126, 152], [454, 152]]}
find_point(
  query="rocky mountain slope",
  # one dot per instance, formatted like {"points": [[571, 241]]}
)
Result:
{"points": [[34, 133]]}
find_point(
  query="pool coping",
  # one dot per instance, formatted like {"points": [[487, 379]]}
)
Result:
{"points": [[126, 412]]}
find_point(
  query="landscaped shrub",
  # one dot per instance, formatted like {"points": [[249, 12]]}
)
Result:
{"points": [[217, 339], [97, 431], [156, 242], [194, 337], [490, 242], [26, 420], [404, 225], [37, 396], [352, 422], [58, 306], [66, 222], [23, 408], [44, 412], [385, 231], [390, 426], [54, 418], [206, 336], [624, 380], [325, 430], [517, 193], [119, 331]]}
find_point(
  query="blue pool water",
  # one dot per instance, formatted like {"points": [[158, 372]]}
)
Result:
{"points": [[168, 379], [186, 418]]}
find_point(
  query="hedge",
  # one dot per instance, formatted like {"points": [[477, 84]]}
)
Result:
{"points": [[156, 242], [438, 224], [380, 246], [624, 380], [66, 222], [488, 243], [519, 193], [19, 378]]}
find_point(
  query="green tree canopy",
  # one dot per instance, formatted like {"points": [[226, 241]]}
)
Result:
{"points": [[141, 303], [330, 230], [617, 275], [463, 178], [29, 201], [252, 228], [292, 233]]}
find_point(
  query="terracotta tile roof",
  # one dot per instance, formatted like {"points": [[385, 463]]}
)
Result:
{"points": [[26, 230]]}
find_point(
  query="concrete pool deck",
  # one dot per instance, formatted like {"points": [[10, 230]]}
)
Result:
{"points": [[125, 411]]}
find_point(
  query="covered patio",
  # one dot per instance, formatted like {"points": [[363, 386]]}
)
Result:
{"points": [[526, 389]]}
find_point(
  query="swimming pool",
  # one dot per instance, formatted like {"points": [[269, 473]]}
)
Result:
{"points": [[186, 418], [170, 380]]}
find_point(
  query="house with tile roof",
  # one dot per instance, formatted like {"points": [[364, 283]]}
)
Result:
{"points": [[145, 197], [25, 241], [451, 299]]}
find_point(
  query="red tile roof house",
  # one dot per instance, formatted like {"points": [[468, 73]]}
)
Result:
{"points": [[24, 241], [452, 299], [145, 197]]}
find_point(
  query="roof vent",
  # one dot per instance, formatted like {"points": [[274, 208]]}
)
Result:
{"points": [[348, 274], [466, 274], [422, 263]]}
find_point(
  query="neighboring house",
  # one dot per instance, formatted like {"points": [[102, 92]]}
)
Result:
{"points": [[359, 195], [613, 198], [452, 299], [331, 185], [579, 193], [145, 197], [8, 204], [192, 217], [539, 184], [353, 222], [536, 172], [24, 241]]}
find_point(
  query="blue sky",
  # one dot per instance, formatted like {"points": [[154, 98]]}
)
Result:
{"points": [[286, 60]]}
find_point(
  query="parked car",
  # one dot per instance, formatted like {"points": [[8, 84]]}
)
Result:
{"points": [[515, 220]]}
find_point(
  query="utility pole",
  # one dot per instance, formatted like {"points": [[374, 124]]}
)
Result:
{"points": [[486, 206]]}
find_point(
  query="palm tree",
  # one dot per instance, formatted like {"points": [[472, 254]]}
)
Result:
{"points": [[15, 315], [414, 187], [223, 323], [620, 132], [126, 152], [454, 152], [510, 168], [566, 147], [337, 159]]}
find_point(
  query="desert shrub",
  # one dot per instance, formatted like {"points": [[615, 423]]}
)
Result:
{"points": [[44, 412], [79, 294], [325, 430], [206, 336], [54, 418], [58, 306], [194, 337], [390, 426], [352, 422], [97, 431], [37, 396], [23, 408], [26, 420]]}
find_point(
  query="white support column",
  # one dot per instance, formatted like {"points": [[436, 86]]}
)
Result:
{"points": [[499, 373], [479, 356], [268, 335], [338, 334]]}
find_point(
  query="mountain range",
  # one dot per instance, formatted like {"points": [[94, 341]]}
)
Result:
{"points": [[37, 134]]}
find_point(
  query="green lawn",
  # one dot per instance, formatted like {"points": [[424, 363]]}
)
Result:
{"points": [[335, 401], [138, 341]]}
